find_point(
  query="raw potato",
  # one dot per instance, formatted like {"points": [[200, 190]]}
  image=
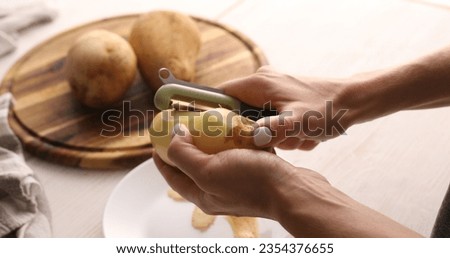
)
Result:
{"points": [[213, 131], [201, 220], [165, 39], [100, 67], [244, 227]]}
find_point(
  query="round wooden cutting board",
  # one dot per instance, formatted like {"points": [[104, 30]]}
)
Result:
{"points": [[52, 125]]}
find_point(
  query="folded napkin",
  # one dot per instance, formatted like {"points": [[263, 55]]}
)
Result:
{"points": [[16, 16], [24, 210]]}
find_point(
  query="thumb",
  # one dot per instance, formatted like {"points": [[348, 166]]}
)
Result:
{"points": [[281, 127], [183, 153]]}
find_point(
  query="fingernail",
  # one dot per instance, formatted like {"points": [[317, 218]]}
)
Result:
{"points": [[178, 130], [262, 136]]}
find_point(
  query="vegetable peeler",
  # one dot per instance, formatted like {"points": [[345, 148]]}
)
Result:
{"points": [[188, 96]]}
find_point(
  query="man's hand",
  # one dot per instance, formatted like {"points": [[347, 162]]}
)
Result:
{"points": [[257, 183], [239, 182], [310, 110]]}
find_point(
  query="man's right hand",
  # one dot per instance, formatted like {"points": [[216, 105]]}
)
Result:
{"points": [[310, 110]]}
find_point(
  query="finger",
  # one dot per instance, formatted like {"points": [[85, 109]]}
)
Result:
{"points": [[308, 145], [179, 182], [184, 154], [290, 143], [242, 89], [265, 69], [233, 87], [297, 143], [281, 127], [250, 90], [262, 136]]}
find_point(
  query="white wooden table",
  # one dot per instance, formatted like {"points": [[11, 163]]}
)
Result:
{"points": [[398, 165]]}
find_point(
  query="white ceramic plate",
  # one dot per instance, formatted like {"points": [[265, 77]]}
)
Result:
{"points": [[139, 207]]}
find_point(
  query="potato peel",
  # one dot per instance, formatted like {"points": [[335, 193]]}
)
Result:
{"points": [[201, 220], [244, 227], [174, 195]]}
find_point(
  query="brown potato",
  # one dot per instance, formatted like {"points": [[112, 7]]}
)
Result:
{"points": [[100, 67], [165, 39]]}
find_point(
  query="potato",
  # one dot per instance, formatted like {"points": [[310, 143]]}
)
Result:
{"points": [[100, 67], [165, 39], [213, 131]]}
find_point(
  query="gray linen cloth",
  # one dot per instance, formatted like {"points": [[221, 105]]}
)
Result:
{"points": [[17, 16], [442, 225], [24, 210]]}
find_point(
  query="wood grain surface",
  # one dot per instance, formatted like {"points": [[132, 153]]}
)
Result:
{"points": [[54, 126]]}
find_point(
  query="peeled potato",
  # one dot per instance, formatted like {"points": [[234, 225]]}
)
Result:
{"points": [[100, 67], [213, 131], [165, 39]]}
